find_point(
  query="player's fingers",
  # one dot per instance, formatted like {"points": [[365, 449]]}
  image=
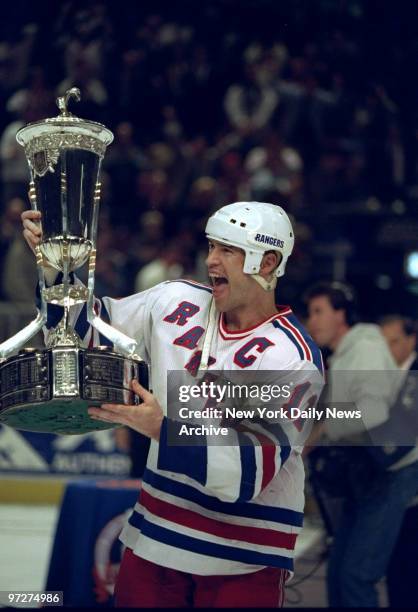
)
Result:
{"points": [[120, 410], [143, 393], [35, 228], [102, 417], [30, 238], [31, 214], [111, 416], [106, 418], [116, 408]]}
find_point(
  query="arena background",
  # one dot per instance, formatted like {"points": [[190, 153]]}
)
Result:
{"points": [[311, 104]]}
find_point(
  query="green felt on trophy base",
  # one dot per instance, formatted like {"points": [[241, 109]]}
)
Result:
{"points": [[55, 416]]}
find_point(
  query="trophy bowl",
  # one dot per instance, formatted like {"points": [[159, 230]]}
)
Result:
{"points": [[49, 390]]}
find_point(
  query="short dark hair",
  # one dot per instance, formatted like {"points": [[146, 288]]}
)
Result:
{"points": [[408, 325], [340, 295]]}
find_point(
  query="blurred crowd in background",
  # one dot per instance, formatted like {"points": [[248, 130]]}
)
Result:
{"points": [[310, 105]]}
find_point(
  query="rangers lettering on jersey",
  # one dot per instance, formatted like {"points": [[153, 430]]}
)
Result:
{"points": [[243, 359], [182, 313], [191, 338]]}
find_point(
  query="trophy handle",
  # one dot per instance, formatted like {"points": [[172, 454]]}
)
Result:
{"points": [[17, 341], [126, 345]]}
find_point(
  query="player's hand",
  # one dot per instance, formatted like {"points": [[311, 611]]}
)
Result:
{"points": [[146, 418], [32, 229]]}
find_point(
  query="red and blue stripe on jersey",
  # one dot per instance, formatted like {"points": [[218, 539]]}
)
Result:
{"points": [[254, 526], [297, 334]]}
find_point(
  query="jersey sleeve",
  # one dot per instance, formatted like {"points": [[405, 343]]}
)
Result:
{"points": [[239, 466]]}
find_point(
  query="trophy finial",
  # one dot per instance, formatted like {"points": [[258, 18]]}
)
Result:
{"points": [[62, 101]]}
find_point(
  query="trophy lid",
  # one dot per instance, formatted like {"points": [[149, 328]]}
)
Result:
{"points": [[75, 132]]}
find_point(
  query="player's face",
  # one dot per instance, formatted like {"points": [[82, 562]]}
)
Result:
{"points": [[400, 344], [231, 287], [324, 321]]}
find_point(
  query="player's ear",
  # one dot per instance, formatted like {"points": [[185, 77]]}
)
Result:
{"points": [[270, 261]]}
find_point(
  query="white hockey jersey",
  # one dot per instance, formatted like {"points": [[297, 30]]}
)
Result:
{"points": [[215, 509]]}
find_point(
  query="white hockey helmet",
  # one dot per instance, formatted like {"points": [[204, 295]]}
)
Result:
{"points": [[254, 227]]}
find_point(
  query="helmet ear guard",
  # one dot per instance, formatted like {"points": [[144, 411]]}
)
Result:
{"points": [[254, 227]]}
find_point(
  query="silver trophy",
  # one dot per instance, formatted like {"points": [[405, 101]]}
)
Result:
{"points": [[49, 390]]}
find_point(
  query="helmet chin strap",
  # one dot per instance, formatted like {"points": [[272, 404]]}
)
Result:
{"points": [[266, 284], [269, 283]]}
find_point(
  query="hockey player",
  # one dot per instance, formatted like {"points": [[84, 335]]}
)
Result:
{"points": [[216, 523]]}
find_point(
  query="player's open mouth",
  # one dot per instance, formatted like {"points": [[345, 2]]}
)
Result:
{"points": [[218, 284], [217, 281]]}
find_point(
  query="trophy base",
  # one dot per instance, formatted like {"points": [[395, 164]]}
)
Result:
{"points": [[57, 416], [50, 390]]}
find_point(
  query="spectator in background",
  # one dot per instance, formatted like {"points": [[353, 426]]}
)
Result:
{"points": [[14, 169], [250, 105], [153, 190], [15, 57], [35, 99], [203, 198], [171, 129], [384, 150], [111, 265], [401, 336], [232, 177], [32, 102], [274, 168], [90, 40], [200, 158], [168, 159], [375, 499], [19, 268], [122, 163], [149, 237], [168, 266]]}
